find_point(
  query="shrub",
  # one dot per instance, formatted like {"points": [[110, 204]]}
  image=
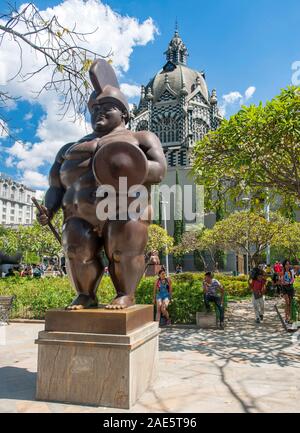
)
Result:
{"points": [[35, 296]]}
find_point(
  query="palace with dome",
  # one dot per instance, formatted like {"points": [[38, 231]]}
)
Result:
{"points": [[177, 106]]}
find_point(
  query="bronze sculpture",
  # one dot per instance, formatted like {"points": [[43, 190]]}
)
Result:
{"points": [[110, 152]]}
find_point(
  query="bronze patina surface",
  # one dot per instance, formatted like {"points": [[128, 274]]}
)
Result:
{"points": [[99, 159], [99, 320]]}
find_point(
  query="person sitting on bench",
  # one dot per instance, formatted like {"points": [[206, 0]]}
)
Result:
{"points": [[211, 286]]}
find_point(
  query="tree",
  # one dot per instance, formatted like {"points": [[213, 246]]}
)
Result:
{"points": [[158, 239], [255, 149], [59, 50], [247, 232], [287, 241], [200, 241], [32, 239]]}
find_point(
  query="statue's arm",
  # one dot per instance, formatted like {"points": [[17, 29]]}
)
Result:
{"points": [[55, 192], [151, 145]]}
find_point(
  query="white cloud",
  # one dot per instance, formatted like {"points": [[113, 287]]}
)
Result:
{"points": [[115, 33], [130, 90], [28, 116], [9, 162], [34, 179], [39, 194], [235, 97], [250, 92], [232, 97]]}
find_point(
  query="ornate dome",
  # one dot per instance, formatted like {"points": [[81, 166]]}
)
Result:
{"points": [[176, 78]]}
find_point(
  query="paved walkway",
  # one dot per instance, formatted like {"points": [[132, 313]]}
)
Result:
{"points": [[246, 368]]}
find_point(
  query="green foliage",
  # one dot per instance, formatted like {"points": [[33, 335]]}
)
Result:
{"points": [[243, 232], [248, 232], [35, 296], [287, 240], [158, 239], [32, 241], [257, 148]]}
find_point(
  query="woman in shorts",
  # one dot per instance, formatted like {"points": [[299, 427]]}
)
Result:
{"points": [[287, 284], [162, 296]]}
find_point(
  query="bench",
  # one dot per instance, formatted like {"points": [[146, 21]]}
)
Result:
{"points": [[6, 303]]}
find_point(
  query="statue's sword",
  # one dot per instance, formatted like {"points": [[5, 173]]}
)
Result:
{"points": [[40, 209]]}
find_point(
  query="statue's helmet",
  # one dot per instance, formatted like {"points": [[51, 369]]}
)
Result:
{"points": [[106, 87]]}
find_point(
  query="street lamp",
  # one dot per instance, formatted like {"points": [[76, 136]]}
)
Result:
{"points": [[164, 203], [267, 214], [247, 200]]}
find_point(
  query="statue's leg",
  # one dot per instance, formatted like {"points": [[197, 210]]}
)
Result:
{"points": [[124, 243], [84, 266]]}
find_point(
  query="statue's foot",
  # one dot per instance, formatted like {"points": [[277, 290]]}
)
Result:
{"points": [[121, 302], [83, 301]]}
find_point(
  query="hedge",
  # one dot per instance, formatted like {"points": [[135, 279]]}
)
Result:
{"points": [[35, 296]]}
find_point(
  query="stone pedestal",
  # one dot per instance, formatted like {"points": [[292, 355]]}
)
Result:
{"points": [[97, 357], [206, 320]]}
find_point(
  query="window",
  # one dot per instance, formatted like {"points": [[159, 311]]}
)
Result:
{"points": [[28, 198], [182, 158], [21, 195], [167, 130], [200, 129], [12, 193], [172, 158], [4, 190], [142, 126]]}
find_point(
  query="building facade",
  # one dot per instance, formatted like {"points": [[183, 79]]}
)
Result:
{"points": [[177, 106], [16, 207]]}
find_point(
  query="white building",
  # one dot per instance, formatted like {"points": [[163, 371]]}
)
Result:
{"points": [[16, 207]]}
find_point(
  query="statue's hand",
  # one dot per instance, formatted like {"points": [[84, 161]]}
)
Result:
{"points": [[44, 218]]}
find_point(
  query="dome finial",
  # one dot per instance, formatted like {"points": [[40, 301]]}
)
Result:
{"points": [[176, 27], [184, 91], [177, 52], [149, 94], [213, 97], [198, 81]]}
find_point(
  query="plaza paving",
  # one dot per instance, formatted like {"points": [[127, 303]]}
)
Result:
{"points": [[246, 368]]}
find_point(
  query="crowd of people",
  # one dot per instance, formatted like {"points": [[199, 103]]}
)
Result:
{"points": [[283, 277], [35, 271]]}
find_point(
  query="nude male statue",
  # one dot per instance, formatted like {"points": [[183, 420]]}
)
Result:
{"points": [[73, 183]]}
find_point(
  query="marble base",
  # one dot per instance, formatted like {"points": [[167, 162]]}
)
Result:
{"points": [[206, 320], [111, 370]]}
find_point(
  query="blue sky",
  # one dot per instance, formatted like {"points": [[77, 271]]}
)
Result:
{"points": [[239, 43]]}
